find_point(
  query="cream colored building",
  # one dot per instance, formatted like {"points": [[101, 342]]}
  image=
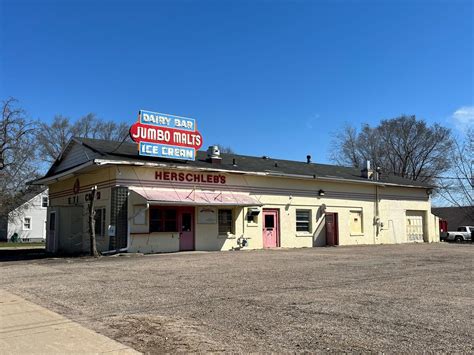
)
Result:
{"points": [[224, 202]]}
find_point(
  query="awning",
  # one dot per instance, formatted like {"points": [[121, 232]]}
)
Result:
{"points": [[161, 196]]}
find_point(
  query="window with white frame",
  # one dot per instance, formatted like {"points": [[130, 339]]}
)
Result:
{"points": [[27, 223], [225, 222], [303, 221], [44, 202]]}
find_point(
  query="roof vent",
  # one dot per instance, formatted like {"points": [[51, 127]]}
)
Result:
{"points": [[214, 154], [308, 159]]}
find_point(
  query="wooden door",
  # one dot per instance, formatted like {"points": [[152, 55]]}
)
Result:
{"points": [[271, 237], [332, 230], [186, 228]]}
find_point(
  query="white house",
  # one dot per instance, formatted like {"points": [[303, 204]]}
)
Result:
{"points": [[28, 220]]}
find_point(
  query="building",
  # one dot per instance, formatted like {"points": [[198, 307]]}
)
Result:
{"points": [[225, 201], [27, 220], [455, 216]]}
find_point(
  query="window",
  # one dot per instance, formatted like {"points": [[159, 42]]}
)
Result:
{"points": [[225, 222], [355, 223], [27, 223], [44, 202], [100, 222], [163, 219], [303, 221], [462, 229]]}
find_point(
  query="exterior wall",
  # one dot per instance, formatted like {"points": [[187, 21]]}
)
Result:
{"points": [[34, 210], [286, 195], [63, 198]]}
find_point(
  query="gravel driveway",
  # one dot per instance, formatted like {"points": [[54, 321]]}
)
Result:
{"points": [[404, 298]]}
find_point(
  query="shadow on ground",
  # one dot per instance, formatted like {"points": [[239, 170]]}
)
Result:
{"points": [[18, 254]]}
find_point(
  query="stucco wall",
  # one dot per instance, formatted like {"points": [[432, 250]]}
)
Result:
{"points": [[286, 195]]}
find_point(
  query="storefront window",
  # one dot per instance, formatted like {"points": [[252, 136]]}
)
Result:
{"points": [[225, 222], [163, 219], [303, 221]]}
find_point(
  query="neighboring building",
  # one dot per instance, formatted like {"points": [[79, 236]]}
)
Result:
{"points": [[28, 219], [455, 216], [148, 204]]}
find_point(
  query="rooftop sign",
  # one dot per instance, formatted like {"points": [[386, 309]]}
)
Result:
{"points": [[166, 136]]}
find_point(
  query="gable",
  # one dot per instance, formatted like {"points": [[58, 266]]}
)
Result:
{"points": [[74, 155]]}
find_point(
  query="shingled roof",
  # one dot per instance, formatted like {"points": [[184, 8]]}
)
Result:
{"points": [[128, 152]]}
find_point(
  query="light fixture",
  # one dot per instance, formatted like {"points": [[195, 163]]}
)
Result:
{"points": [[321, 192]]}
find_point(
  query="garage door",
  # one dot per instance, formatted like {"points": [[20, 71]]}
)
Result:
{"points": [[414, 225]]}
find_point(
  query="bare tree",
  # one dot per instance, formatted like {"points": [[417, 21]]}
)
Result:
{"points": [[458, 187], [17, 154], [403, 146], [93, 244], [53, 137]]}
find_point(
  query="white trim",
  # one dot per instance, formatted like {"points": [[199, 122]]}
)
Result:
{"points": [[64, 175]]}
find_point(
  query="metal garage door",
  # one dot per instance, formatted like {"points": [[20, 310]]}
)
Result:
{"points": [[415, 223]]}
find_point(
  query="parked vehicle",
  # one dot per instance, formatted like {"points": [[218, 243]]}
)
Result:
{"points": [[443, 229], [463, 233]]}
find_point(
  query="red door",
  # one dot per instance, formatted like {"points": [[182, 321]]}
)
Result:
{"points": [[186, 228], [270, 229], [332, 231]]}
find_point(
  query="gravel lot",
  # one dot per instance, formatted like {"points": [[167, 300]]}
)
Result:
{"points": [[404, 298]]}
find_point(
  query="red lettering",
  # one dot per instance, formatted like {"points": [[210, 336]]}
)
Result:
{"points": [[158, 175], [181, 176], [173, 176], [166, 175], [197, 178], [189, 177], [222, 179], [216, 179]]}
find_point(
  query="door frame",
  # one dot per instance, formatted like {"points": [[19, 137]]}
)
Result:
{"points": [[336, 228], [277, 224], [192, 211]]}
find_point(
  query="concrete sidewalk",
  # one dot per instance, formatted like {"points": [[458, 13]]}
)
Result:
{"points": [[26, 328]]}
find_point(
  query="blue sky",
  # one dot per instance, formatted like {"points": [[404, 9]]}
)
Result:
{"points": [[271, 78]]}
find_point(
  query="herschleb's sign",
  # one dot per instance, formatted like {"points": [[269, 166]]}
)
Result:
{"points": [[166, 136], [190, 177]]}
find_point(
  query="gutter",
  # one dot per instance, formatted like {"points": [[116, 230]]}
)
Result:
{"points": [[62, 176]]}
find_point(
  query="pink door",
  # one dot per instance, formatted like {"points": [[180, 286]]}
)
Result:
{"points": [[186, 228], [270, 229]]}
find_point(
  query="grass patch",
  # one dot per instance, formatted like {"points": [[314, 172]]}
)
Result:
{"points": [[21, 245]]}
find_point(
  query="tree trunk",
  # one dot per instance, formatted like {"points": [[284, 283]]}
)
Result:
{"points": [[93, 245]]}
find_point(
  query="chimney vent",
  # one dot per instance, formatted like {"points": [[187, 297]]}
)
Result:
{"points": [[367, 172], [214, 154], [308, 159]]}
